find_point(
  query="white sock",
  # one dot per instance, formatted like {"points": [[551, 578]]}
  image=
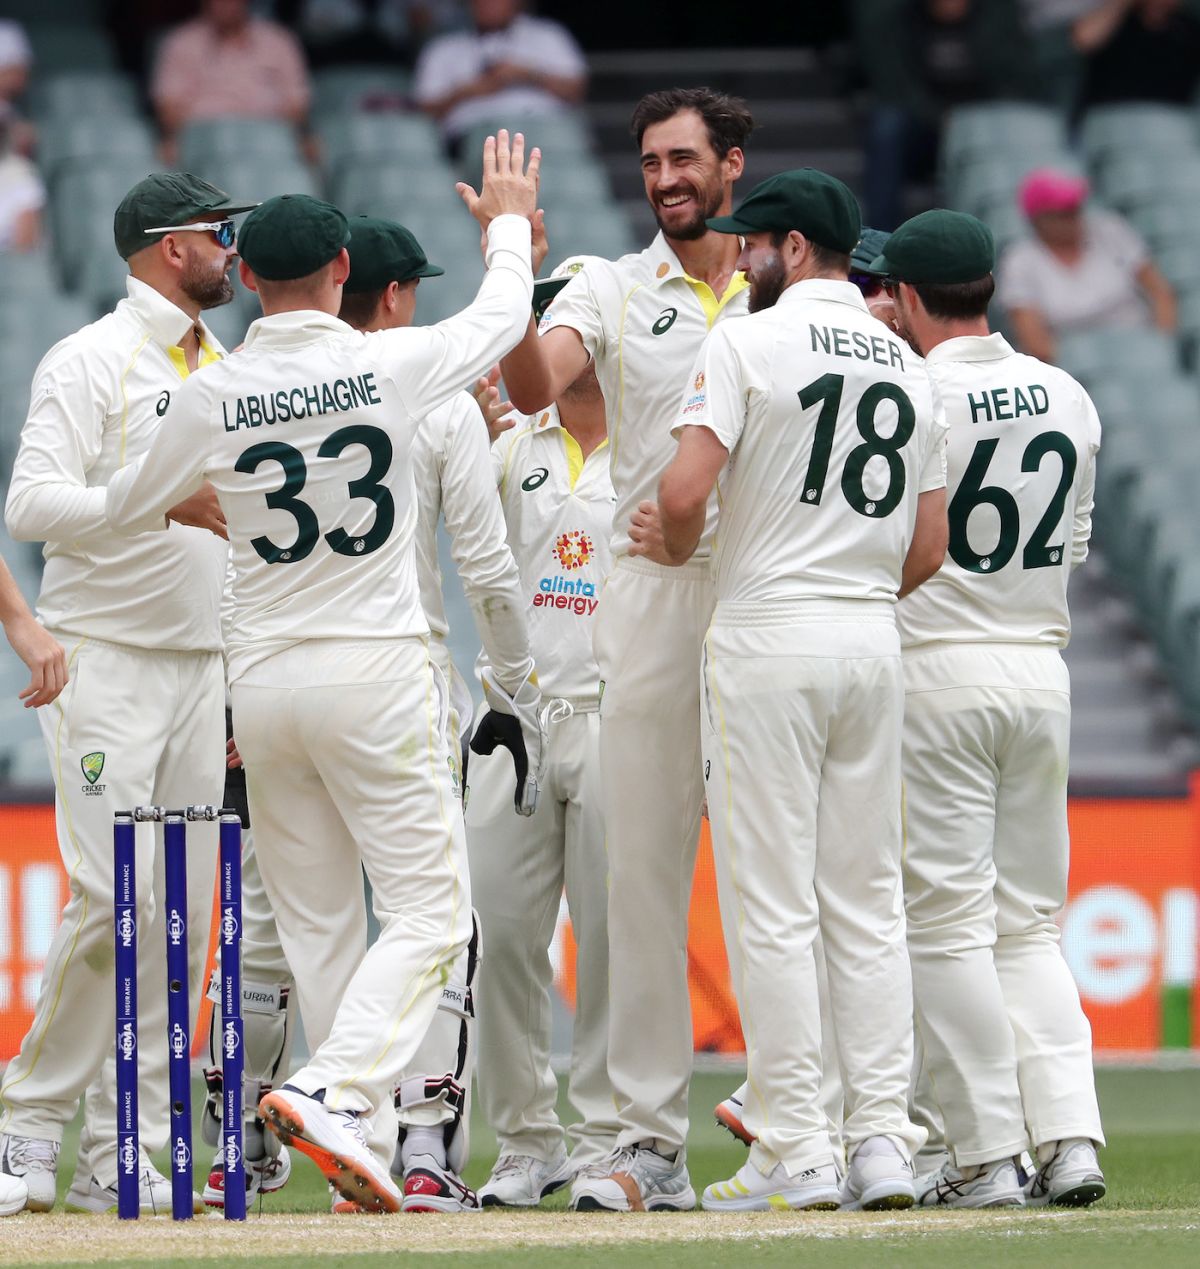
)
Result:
{"points": [[431, 1141]]}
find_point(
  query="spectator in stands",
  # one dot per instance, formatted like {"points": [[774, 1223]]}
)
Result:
{"points": [[1081, 270], [1140, 50], [16, 59], [227, 62], [22, 194], [370, 30], [922, 58], [507, 64]]}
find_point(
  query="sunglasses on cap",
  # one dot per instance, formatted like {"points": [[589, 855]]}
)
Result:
{"points": [[222, 230]]}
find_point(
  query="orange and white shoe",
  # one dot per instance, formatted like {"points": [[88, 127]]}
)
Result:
{"points": [[729, 1115], [334, 1141]]}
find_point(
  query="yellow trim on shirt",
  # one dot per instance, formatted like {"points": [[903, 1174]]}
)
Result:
{"points": [[575, 456], [708, 300], [137, 352], [178, 358]]}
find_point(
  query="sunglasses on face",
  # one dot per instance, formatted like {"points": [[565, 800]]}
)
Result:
{"points": [[222, 230]]}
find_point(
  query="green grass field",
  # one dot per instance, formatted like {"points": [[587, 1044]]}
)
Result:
{"points": [[1152, 1213]]}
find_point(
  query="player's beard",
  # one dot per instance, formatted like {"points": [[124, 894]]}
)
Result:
{"points": [[767, 283], [206, 284], [707, 203]]}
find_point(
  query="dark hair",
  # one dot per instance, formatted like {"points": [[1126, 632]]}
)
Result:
{"points": [[358, 307], [827, 259], [727, 118], [955, 301]]}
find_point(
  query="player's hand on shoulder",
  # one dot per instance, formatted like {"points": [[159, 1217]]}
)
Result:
{"points": [[44, 657], [497, 413], [510, 186], [645, 532], [201, 511]]}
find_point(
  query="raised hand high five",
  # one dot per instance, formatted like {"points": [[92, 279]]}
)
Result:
{"points": [[509, 184]]}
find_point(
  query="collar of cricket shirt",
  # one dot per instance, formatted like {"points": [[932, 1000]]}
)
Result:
{"points": [[300, 326], [993, 347], [832, 289], [165, 321]]}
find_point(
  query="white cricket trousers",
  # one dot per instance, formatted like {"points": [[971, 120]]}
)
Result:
{"points": [[649, 631], [347, 769], [157, 718], [802, 714], [519, 867], [1007, 1047]]}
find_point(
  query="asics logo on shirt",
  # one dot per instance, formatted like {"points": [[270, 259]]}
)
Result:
{"points": [[665, 321], [536, 479], [160, 406]]}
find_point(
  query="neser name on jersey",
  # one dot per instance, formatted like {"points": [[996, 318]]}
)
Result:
{"points": [[835, 342], [300, 403]]}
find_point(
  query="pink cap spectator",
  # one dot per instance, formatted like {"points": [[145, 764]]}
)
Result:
{"points": [[1049, 189]]}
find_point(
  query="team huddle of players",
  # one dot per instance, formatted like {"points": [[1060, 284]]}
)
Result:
{"points": [[751, 542]]}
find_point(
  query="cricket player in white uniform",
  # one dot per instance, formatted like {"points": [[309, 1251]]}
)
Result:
{"points": [[552, 471], [140, 722], [452, 470], [340, 713], [641, 320], [986, 731], [824, 432]]}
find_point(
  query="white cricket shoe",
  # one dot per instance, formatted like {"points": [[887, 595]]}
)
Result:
{"points": [[750, 1190], [430, 1187], [993, 1184], [154, 1192], [520, 1180], [879, 1179], [14, 1194], [634, 1179], [34, 1161], [1070, 1177], [263, 1176], [334, 1141], [729, 1115]]}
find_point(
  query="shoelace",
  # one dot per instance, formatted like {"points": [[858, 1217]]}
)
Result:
{"points": [[34, 1154], [511, 1164]]}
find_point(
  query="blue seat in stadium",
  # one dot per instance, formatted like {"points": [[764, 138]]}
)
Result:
{"points": [[338, 89], [94, 140], [70, 45], [1108, 132], [1099, 354], [400, 192], [204, 143], [1035, 133], [256, 179], [81, 210], [81, 93]]}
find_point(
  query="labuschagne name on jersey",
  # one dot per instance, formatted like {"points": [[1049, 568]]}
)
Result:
{"points": [[285, 404], [1002, 404], [835, 342]]}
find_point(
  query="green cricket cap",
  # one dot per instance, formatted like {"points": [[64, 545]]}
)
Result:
{"points": [[166, 198], [546, 289], [938, 246], [383, 251], [816, 204], [291, 236], [870, 245]]}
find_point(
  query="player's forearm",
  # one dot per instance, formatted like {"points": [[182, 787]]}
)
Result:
{"points": [[140, 495], [682, 527], [492, 586], [931, 536], [527, 375], [44, 510], [12, 603]]}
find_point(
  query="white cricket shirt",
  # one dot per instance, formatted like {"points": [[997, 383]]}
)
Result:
{"points": [[1021, 471], [99, 398], [306, 433], [643, 319], [454, 479], [559, 507], [832, 431]]}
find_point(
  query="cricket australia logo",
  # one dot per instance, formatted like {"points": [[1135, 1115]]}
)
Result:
{"points": [[92, 764], [127, 1042]]}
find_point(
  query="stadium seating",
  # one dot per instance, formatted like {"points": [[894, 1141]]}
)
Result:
{"points": [[339, 90], [1110, 132], [205, 144], [94, 140], [81, 93], [69, 44]]}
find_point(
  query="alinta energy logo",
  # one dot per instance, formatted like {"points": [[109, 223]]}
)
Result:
{"points": [[573, 551]]}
